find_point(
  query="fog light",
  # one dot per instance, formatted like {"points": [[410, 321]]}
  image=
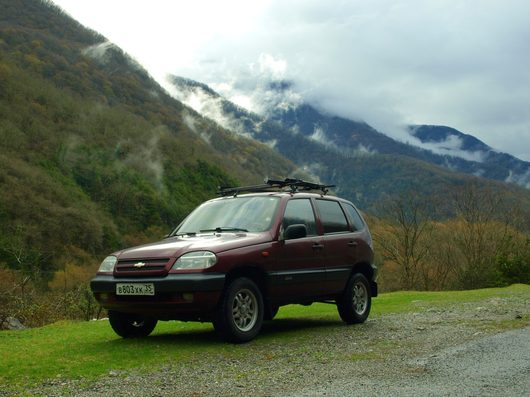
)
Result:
{"points": [[188, 297], [104, 297]]}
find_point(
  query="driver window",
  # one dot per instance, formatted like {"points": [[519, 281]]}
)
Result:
{"points": [[300, 211]]}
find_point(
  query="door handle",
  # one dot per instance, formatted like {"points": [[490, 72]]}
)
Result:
{"points": [[317, 246], [353, 244]]}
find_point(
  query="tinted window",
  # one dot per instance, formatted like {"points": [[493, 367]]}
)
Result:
{"points": [[358, 223], [332, 217], [300, 211]]}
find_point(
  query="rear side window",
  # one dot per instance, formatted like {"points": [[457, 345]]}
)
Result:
{"points": [[300, 211], [332, 216], [358, 223]]}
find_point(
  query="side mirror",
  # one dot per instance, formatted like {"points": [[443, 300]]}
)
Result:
{"points": [[295, 231]]}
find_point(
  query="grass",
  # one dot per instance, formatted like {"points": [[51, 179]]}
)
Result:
{"points": [[401, 302], [72, 350]]}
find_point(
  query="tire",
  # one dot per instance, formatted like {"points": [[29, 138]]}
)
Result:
{"points": [[131, 325], [239, 317], [356, 300]]}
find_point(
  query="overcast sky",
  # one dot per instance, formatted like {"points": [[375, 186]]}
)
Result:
{"points": [[461, 63]]}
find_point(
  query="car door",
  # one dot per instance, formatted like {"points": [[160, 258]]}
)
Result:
{"points": [[299, 267], [339, 244]]}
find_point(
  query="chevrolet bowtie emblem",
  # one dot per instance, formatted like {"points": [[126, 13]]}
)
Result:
{"points": [[139, 264]]}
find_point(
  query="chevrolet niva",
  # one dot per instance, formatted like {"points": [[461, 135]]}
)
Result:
{"points": [[237, 258]]}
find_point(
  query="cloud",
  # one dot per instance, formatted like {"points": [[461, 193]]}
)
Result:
{"points": [[147, 158], [452, 147], [271, 143], [522, 179], [105, 51], [449, 62], [191, 123], [259, 86], [208, 106], [319, 136], [389, 64], [99, 51]]}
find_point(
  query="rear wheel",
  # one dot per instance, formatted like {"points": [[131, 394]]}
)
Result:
{"points": [[239, 316], [131, 325], [356, 300]]}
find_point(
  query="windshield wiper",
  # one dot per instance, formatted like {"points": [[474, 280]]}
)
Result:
{"points": [[224, 229], [184, 234]]}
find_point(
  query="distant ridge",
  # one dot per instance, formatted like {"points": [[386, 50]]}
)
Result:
{"points": [[364, 163]]}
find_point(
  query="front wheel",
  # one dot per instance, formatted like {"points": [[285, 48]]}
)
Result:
{"points": [[239, 316], [356, 300], [131, 325]]}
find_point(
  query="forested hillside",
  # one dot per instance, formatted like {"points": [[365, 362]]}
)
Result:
{"points": [[94, 155]]}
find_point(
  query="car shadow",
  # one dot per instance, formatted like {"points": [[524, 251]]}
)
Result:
{"points": [[291, 325], [208, 337]]}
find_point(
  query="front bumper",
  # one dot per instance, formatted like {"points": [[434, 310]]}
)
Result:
{"points": [[177, 296]]}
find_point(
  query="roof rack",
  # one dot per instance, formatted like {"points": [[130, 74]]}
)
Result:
{"points": [[272, 185]]}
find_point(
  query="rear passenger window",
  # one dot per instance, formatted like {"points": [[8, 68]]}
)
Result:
{"points": [[358, 223], [332, 217], [300, 211]]}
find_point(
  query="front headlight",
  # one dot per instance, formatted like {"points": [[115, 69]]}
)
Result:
{"points": [[107, 266], [195, 260]]}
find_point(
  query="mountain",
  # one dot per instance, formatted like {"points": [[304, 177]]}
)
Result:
{"points": [[468, 154], [442, 146], [365, 164], [94, 154]]}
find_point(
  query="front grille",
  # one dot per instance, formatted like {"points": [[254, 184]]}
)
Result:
{"points": [[142, 267]]}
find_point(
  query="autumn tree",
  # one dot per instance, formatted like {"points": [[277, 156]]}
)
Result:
{"points": [[480, 233], [403, 239]]}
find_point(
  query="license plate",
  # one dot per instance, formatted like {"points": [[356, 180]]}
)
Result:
{"points": [[135, 289]]}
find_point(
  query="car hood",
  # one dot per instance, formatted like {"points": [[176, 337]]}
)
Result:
{"points": [[176, 246]]}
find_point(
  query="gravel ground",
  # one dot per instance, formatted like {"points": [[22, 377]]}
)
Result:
{"points": [[469, 349], [497, 365]]}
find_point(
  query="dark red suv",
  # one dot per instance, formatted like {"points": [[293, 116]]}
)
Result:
{"points": [[236, 259]]}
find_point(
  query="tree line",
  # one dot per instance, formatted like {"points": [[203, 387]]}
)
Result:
{"points": [[485, 244]]}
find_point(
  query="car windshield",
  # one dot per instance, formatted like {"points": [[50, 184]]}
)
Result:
{"points": [[232, 214]]}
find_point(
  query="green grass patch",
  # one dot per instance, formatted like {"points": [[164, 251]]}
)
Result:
{"points": [[410, 301], [70, 350]]}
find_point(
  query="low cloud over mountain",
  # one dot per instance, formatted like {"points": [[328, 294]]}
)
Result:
{"points": [[280, 119]]}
